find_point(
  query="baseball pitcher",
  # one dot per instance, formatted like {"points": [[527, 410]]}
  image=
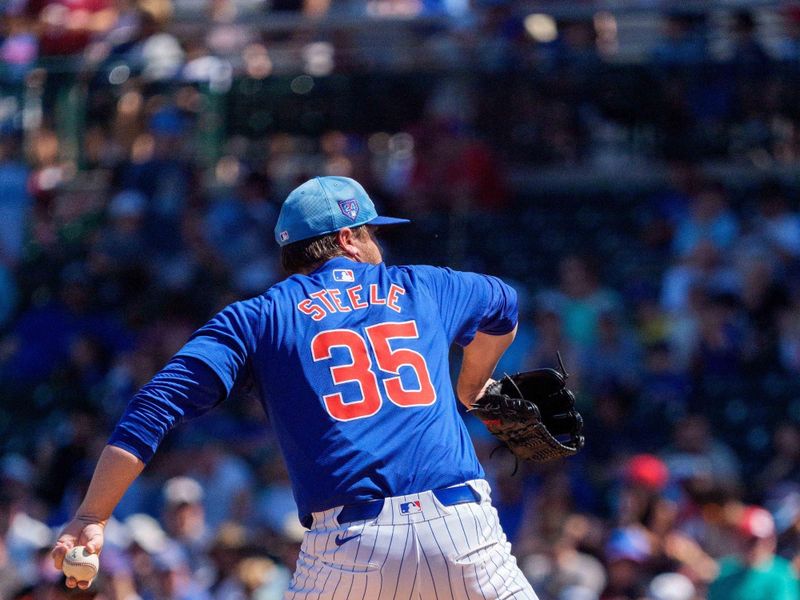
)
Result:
{"points": [[350, 357]]}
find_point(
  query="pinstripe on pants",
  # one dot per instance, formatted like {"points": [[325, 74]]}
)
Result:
{"points": [[438, 553]]}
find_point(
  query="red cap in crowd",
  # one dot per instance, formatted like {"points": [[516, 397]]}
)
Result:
{"points": [[756, 522], [648, 471]]}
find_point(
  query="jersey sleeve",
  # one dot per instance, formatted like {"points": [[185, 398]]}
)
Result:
{"points": [[185, 388], [225, 342], [470, 302]]}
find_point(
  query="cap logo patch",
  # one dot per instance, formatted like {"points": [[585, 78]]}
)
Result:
{"points": [[284, 236], [349, 208]]}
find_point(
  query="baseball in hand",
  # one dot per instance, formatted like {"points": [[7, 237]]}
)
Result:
{"points": [[80, 564]]}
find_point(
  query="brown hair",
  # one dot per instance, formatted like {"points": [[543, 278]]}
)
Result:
{"points": [[305, 255]]}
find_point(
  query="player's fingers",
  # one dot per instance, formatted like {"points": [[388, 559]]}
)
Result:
{"points": [[92, 538], [63, 545], [71, 582], [84, 584]]}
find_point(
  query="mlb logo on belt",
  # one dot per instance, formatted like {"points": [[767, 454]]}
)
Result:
{"points": [[343, 275], [409, 508]]}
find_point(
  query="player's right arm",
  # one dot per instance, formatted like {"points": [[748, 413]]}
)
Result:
{"points": [[115, 471], [199, 377]]}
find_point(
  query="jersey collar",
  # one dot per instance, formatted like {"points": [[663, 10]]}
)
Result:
{"points": [[337, 262]]}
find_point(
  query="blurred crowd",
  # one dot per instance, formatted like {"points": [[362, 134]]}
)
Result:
{"points": [[699, 86], [135, 203], [681, 333]]}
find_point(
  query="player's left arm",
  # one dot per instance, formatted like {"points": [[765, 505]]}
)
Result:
{"points": [[480, 359], [486, 334]]}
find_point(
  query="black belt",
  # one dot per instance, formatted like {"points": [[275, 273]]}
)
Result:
{"points": [[362, 511]]}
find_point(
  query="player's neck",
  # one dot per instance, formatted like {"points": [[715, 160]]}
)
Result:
{"points": [[317, 265]]}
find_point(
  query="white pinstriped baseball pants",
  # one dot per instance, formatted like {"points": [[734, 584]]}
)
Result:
{"points": [[436, 553]]}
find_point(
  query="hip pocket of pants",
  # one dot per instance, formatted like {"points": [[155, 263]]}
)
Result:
{"points": [[346, 566], [477, 554]]}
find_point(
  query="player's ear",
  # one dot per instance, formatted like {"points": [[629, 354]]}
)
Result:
{"points": [[347, 239]]}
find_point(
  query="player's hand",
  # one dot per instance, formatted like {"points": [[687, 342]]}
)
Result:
{"points": [[81, 531], [479, 394], [489, 382], [468, 396]]}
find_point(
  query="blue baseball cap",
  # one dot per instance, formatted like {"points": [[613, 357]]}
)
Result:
{"points": [[324, 205]]}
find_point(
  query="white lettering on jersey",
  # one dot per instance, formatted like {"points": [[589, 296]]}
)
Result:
{"points": [[325, 302]]}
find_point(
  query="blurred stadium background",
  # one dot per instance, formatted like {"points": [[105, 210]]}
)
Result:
{"points": [[630, 165]]}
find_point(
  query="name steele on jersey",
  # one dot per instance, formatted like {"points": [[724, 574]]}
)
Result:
{"points": [[325, 302]]}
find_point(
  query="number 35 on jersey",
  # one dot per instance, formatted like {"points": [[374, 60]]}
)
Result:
{"points": [[359, 369]]}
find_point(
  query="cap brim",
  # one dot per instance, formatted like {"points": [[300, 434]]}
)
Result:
{"points": [[387, 221]]}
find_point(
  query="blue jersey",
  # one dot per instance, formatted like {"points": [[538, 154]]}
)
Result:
{"points": [[351, 362]]}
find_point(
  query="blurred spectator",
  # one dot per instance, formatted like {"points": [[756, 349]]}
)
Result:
{"points": [[581, 299], [790, 44], [172, 578], [158, 53], [549, 341], [119, 256], [671, 586], [718, 352], [615, 355], [43, 335], [226, 481], [19, 48], [709, 218], [184, 521], [763, 297], [227, 550], [643, 504], [626, 551], [683, 42], [239, 226], [10, 579], [783, 503], [273, 504], [784, 466], [789, 339], [776, 224], [162, 175], [562, 567], [455, 170], [749, 57], [65, 467], [66, 27], [262, 578], [695, 454], [611, 429], [755, 572], [665, 392], [686, 284], [646, 472], [15, 203]]}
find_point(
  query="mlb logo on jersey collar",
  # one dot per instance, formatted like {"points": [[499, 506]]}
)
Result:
{"points": [[343, 275], [410, 508]]}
